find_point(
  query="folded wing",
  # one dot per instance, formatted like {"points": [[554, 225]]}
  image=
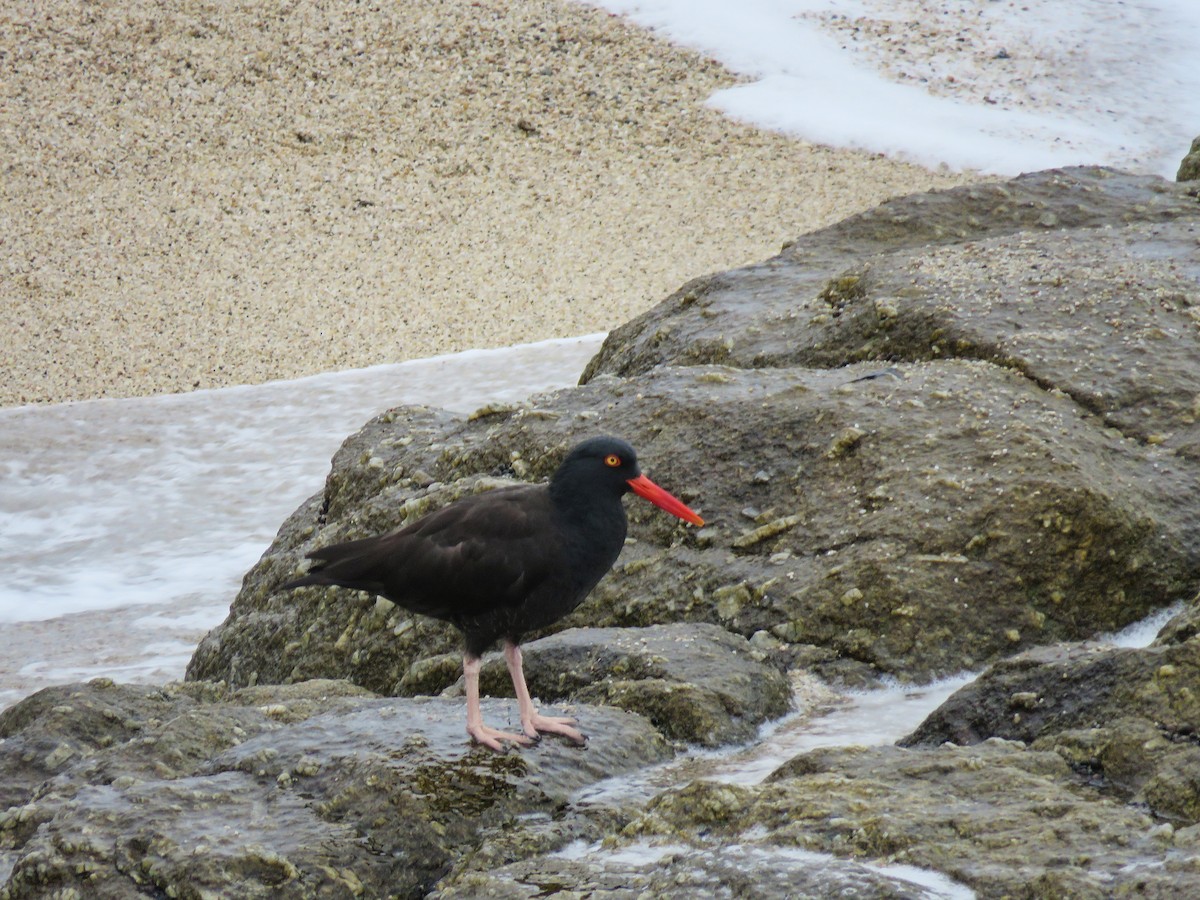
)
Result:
{"points": [[464, 560]]}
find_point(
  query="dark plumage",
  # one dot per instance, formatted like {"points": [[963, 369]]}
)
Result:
{"points": [[501, 564]]}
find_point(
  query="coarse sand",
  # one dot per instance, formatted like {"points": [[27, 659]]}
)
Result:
{"points": [[198, 194]]}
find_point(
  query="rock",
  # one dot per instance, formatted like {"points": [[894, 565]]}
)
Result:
{"points": [[1182, 626], [75, 727], [663, 672], [971, 274], [1061, 687], [309, 790], [999, 818], [1124, 716], [1189, 166], [55, 728], [1084, 307]]}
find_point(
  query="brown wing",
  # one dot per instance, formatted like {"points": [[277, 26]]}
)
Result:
{"points": [[467, 559]]}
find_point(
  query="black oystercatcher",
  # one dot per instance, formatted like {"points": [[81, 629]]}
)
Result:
{"points": [[500, 564]]}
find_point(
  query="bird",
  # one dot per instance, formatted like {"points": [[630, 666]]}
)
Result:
{"points": [[501, 564]]}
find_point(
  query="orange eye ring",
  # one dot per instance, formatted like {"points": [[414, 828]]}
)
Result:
{"points": [[612, 460]]}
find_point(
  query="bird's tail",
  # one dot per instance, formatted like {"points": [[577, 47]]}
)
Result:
{"points": [[352, 564], [303, 581]]}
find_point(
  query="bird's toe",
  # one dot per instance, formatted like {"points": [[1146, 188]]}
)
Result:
{"points": [[539, 725], [492, 737]]}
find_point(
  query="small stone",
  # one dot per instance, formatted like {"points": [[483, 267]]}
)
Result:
{"points": [[852, 596], [56, 757], [771, 529], [845, 442], [731, 599]]}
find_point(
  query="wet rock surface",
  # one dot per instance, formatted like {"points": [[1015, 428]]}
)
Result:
{"points": [[309, 790], [1002, 819], [998, 818], [682, 871], [1127, 718]]}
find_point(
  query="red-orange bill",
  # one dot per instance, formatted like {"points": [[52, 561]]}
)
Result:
{"points": [[647, 489]]}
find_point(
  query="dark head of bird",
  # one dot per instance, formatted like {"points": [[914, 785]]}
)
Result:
{"points": [[609, 465]]}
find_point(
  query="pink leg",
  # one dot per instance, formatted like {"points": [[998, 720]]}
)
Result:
{"points": [[533, 722], [489, 737]]}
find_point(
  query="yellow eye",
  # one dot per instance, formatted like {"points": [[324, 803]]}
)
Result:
{"points": [[612, 460]]}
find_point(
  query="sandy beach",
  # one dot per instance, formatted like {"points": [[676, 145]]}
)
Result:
{"points": [[208, 195]]}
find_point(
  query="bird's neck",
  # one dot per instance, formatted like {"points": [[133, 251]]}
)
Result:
{"points": [[583, 507]]}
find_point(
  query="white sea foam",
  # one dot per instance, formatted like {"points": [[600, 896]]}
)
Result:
{"points": [[867, 718], [1080, 81], [1142, 632]]}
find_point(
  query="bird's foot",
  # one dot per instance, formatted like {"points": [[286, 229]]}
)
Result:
{"points": [[491, 737], [537, 725]]}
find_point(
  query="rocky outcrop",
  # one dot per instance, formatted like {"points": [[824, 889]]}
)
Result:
{"points": [[920, 524], [1128, 718], [997, 818], [1058, 276], [1006, 821], [310, 790]]}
